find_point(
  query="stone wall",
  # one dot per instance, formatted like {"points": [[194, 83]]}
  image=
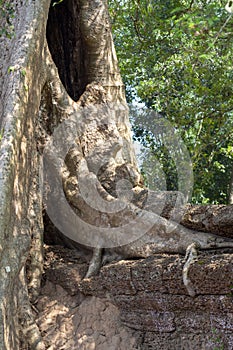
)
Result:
{"points": [[147, 300]]}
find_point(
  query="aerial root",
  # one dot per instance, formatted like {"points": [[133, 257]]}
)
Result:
{"points": [[190, 258], [95, 263]]}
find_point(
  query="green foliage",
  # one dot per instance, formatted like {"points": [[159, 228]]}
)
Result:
{"points": [[158, 175], [176, 57], [7, 14]]}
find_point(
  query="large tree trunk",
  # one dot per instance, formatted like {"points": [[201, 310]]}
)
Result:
{"points": [[31, 84], [22, 77], [72, 81]]}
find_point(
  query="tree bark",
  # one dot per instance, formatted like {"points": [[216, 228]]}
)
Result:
{"points": [[20, 203], [230, 196], [34, 103]]}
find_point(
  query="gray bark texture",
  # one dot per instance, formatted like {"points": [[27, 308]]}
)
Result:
{"points": [[59, 62], [230, 199]]}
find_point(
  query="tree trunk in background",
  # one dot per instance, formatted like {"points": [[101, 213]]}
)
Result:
{"points": [[230, 197], [81, 55]]}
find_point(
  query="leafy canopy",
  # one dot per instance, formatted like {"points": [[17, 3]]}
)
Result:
{"points": [[176, 57]]}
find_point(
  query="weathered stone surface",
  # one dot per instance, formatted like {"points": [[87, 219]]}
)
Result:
{"points": [[217, 219], [71, 322], [69, 277], [187, 341], [150, 298], [164, 274]]}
